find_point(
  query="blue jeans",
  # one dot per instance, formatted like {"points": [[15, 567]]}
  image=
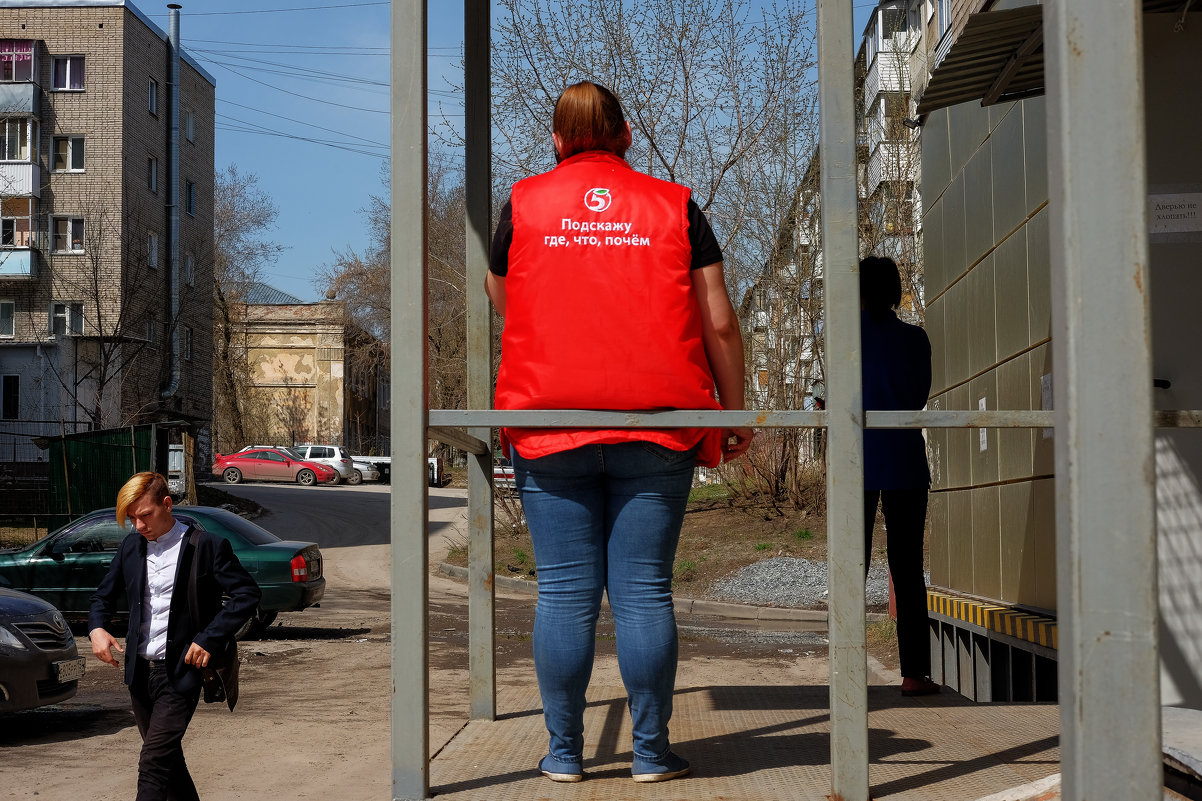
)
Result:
{"points": [[606, 517]]}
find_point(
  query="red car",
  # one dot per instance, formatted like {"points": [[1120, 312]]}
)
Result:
{"points": [[271, 464]]}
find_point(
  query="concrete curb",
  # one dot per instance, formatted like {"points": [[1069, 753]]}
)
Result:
{"points": [[684, 606]]}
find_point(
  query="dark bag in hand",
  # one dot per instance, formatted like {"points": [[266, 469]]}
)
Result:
{"points": [[220, 676]]}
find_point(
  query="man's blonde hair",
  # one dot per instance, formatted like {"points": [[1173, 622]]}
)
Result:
{"points": [[152, 484]]}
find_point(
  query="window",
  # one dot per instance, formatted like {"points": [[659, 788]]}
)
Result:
{"points": [[190, 197], [152, 97], [190, 269], [152, 331], [68, 73], [152, 173], [68, 235], [20, 139], [66, 318], [16, 60], [152, 250], [68, 154], [945, 16], [10, 397], [16, 222], [185, 343], [8, 319], [189, 126]]}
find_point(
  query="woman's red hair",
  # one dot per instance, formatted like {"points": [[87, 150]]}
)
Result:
{"points": [[589, 117]]}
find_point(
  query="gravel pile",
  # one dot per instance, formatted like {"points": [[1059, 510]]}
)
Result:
{"points": [[786, 581]]}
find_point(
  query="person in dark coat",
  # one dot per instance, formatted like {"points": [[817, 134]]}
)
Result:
{"points": [[897, 377], [167, 649]]}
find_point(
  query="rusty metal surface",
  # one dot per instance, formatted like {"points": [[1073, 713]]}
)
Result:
{"points": [[761, 743]]}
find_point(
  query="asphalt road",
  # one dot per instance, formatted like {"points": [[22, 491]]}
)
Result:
{"points": [[351, 525]]}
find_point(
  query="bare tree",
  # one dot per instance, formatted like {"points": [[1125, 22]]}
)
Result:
{"points": [[718, 96], [106, 280], [361, 277], [242, 217]]}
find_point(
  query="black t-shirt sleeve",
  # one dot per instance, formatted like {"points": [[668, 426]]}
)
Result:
{"points": [[701, 238], [498, 257], [705, 248]]}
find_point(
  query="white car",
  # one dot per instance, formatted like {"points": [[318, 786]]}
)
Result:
{"points": [[335, 456], [363, 471]]}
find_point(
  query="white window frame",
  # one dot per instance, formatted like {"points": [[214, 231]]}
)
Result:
{"points": [[4, 380], [70, 313], [69, 237], [5, 219], [185, 343], [152, 173], [152, 250], [21, 125], [190, 198], [152, 97], [189, 269], [8, 319], [10, 55], [75, 146], [73, 63]]}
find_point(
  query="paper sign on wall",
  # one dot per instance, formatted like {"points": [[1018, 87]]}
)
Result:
{"points": [[1175, 213]]}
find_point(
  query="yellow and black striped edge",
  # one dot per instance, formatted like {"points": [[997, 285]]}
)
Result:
{"points": [[1002, 619]]}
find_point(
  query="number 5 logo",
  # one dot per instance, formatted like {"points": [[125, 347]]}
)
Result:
{"points": [[597, 199]]}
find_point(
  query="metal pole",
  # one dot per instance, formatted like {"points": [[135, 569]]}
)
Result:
{"points": [[478, 185], [1105, 473], [409, 503], [845, 478]]}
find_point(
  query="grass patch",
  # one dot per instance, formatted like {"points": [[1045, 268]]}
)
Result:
{"points": [[684, 570], [520, 557], [803, 535], [709, 492], [764, 546]]}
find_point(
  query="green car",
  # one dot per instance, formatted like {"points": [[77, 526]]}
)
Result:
{"points": [[66, 567]]}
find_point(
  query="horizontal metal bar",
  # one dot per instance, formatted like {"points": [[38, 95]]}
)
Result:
{"points": [[696, 418], [1178, 418], [962, 418], [458, 439]]}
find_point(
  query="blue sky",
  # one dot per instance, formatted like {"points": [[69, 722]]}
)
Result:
{"points": [[302, 102]]}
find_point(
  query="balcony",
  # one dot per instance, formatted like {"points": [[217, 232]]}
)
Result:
{"points": [[18, 264], [20, 179], [21, 98]]}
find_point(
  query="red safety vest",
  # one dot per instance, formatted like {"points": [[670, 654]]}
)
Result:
{"points": [[601, 312]]}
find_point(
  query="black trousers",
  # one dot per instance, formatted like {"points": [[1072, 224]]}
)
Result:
{"points": [[905, 521], [163, 716]]}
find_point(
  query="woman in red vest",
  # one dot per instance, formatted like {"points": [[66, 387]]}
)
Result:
{"points": [[611, 285]]}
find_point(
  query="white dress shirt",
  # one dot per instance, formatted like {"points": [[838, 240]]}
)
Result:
{"points": [[162, 559]]}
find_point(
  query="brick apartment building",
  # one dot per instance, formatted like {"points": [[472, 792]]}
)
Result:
{"points": [[91, 265]]}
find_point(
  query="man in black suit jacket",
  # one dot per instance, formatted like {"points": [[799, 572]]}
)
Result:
{"points": [[167, 649]]}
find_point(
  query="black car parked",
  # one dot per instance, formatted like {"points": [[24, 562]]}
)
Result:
{"points": [[38, 661]]}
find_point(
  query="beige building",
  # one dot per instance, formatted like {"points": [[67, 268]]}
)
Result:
{"points": [[105, 302], [978, 78]]}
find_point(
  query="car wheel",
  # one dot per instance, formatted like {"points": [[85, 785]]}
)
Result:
{"points": [[232, 475], [258, 623], [356, 478], [337, 479], [306, 478]]}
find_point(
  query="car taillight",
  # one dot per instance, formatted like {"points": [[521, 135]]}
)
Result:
{"points": [[300, 568]]}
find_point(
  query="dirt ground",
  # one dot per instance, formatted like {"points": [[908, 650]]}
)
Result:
{"points": [[313, 720]]}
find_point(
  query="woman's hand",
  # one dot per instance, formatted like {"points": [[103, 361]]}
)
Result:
{"points": [[735, 442]]}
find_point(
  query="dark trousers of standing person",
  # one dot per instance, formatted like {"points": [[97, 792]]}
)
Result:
{"points": [[162, 715], [905, 513]]}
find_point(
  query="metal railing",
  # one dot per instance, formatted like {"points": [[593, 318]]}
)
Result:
{"points": [[1105, 516]]}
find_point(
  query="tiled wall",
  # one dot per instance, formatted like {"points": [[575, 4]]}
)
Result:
{"points": [[992, 525]]}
